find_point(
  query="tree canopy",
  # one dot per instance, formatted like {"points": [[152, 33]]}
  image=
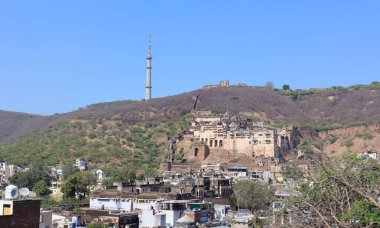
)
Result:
{"points": [[286, 87], [339, 193], [28, 179], [40, 187], [253, 195], [78, 184]]}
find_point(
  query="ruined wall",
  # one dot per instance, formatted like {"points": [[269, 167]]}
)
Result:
{"points": [[198, 152], [239, 145]]}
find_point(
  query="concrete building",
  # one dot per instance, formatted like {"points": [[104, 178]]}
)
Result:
{"points": [[46, 219], [236, 171], [221, 210], [20, 213], [80, 164], [56, 179], [100, 175], [111, 199], [199, 212], [6, 171]]}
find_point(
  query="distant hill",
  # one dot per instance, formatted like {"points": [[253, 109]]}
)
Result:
{"points": [[304, 107], [15, 124]]}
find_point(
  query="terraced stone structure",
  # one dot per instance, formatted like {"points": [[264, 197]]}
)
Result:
{"points": [[237, 135]]}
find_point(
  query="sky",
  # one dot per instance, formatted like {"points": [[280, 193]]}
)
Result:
{"points": [[58, 56]]}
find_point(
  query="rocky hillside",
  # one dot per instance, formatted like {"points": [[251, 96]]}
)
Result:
{"points": [[310, 107], [356, 138]]}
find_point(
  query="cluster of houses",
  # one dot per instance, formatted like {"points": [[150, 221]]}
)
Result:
{"points": [[7, 171], [185, 199]]}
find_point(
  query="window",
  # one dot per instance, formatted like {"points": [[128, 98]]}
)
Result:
{"points": [[7, 209]]}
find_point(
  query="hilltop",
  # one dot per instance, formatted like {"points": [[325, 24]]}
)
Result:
{"points": [[301, 107]]}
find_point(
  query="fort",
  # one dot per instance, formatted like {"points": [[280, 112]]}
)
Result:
{"points": [[237, 135], [223, 138]]}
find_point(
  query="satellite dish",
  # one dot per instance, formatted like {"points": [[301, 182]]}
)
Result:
{"points": [[24, 192], [11, 192]]}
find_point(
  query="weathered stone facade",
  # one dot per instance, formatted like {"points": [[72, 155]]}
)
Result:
{"points": [[238, 136]]}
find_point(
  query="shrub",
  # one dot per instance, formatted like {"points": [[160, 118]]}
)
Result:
{"points": [[92, 135], [348, 143], [333, 139], [357, 123], [367, 136]]}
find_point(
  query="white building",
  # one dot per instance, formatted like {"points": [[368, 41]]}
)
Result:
{"points": [[80, 164], [368, 154], [100, 175], [152, 218], [221, 210], [6, 171], [237, 171]]}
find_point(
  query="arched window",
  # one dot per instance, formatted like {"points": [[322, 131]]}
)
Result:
{"points": [[196, 151]]}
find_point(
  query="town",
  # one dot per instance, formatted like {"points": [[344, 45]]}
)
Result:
{"points": [[202, 183], [189, 114]]}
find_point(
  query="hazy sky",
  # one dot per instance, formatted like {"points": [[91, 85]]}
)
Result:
{"points": [[57, 56]]}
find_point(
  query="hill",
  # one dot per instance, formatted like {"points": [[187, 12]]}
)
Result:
{"points": [[103, 143], [135, 133], [303, 107], [315, 107]]}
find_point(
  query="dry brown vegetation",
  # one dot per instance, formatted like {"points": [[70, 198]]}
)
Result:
{"points": [[327, 106]]}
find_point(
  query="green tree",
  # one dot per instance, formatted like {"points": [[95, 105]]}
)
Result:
{"points": [[123, 175], [40, 187], [28, 179], [78, 184], [68, 170], [339, 193], [286, 87], [253, 195], [97, 224]]}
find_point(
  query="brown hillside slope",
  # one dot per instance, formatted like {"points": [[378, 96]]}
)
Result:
{"points": [[330, 106], [15, 124], [356, 139], [335, 106]]}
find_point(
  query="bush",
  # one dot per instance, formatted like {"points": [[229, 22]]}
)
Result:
{"points": [[286, 87], [333, 139], [348, 143], [367, 136], [358, 123], [92, 135], [253, 195]]}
